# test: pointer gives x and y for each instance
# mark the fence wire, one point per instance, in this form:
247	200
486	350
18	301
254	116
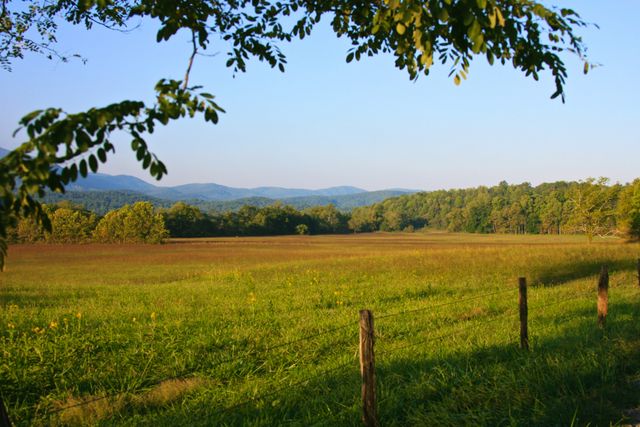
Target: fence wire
447	335
191	373
290	386
532	311
458	301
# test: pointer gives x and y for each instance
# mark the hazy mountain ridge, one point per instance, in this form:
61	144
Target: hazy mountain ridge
104	201
102	192
205	191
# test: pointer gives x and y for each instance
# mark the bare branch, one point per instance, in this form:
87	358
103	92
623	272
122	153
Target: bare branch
194	52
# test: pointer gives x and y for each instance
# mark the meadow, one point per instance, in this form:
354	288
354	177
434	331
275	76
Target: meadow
264	331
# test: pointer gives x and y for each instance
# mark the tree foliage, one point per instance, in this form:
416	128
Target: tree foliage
628	210
590	207
59	146
131	224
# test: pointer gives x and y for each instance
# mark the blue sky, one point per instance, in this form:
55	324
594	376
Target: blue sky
324	122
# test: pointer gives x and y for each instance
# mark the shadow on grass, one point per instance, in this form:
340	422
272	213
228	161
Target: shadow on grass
576	374
558	274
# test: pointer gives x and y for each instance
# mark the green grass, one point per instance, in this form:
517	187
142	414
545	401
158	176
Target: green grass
79	323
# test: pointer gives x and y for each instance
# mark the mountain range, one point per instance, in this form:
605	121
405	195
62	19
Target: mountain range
104	192
205	192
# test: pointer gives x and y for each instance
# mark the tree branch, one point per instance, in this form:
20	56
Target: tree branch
194	52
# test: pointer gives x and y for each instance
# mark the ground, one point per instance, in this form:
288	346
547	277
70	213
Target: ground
263	331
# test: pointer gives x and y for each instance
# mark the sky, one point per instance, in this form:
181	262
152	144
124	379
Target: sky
327	123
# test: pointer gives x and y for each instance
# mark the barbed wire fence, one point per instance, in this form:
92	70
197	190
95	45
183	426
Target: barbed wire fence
366	347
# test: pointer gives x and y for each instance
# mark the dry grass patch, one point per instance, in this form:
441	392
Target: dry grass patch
87	410
473	313
169	391
90	410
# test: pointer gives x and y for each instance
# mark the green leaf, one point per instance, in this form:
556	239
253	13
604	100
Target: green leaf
32	115
146	161
93	163
501	20
474	29
492	19
84	171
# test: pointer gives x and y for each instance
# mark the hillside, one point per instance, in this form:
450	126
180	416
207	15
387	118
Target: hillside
205	191
104	201
102	192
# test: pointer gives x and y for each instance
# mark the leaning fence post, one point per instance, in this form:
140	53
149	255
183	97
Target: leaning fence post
524	313
603	295
367	369
4	416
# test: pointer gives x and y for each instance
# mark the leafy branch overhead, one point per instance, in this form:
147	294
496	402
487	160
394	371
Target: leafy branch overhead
62	147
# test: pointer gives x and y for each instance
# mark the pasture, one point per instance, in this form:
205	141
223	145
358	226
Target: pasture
264	331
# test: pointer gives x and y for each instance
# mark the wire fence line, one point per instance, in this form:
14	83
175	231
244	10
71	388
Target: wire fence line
269	349
447	335
190	373
252	353
458	301
256	352
474	322
276	346
296	384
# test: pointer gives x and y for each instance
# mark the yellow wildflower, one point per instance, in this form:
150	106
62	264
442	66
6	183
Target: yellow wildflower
37	330
78	315
153	316
53	324
11	325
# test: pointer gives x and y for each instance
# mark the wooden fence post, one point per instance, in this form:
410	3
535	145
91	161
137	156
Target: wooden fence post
638	271
4	416
524	313
367	370
603	295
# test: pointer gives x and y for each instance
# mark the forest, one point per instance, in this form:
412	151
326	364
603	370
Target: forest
592	207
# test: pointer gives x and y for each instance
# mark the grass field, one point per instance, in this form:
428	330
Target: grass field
263	331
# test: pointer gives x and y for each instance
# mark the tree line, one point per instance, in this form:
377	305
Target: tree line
143	223
137	223
591	207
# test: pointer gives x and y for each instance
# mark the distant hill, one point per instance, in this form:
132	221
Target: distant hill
102	192
205	192
104	182
104	201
